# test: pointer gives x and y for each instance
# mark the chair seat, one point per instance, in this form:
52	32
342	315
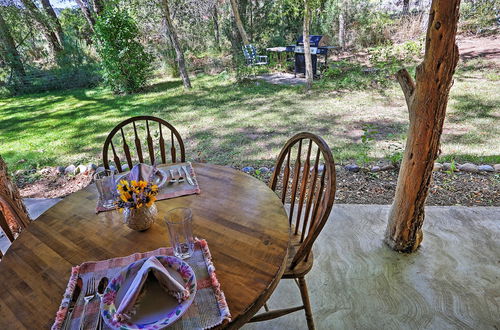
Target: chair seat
303	267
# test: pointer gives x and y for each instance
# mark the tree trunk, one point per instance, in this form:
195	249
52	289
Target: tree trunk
11	204
215	17
406	7
54	44
98	7
86	13
342	27
239	23
175	42
12	56
307	44
426	100
54	21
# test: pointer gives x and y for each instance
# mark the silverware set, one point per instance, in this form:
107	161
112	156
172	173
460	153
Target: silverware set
93	289
179	177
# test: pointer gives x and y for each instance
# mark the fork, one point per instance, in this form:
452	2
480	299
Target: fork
172	176
89	295
181	178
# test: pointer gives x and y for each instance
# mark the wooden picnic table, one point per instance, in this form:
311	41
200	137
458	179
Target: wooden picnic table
243	221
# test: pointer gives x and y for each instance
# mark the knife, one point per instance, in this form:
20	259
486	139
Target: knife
188	176
72	303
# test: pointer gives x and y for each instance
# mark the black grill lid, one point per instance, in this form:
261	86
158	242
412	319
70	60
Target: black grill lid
314	40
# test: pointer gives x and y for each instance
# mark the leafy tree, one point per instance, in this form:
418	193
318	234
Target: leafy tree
125	63
9	52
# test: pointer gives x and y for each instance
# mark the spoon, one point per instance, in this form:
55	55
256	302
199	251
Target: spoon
100	292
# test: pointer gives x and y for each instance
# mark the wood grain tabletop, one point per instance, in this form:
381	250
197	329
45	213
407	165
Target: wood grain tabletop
243	221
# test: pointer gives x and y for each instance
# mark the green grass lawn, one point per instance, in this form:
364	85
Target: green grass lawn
226	123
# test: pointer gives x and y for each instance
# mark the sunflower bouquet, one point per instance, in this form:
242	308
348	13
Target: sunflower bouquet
136	194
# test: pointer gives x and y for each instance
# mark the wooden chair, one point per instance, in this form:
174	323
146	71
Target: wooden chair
148	127
310	190
13	214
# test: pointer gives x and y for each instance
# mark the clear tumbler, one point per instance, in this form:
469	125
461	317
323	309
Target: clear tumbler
106	186
180	227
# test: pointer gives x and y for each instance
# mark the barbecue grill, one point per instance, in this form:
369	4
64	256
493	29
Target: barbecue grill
316	49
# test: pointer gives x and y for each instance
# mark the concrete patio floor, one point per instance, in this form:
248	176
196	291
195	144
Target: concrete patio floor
357	282
451	282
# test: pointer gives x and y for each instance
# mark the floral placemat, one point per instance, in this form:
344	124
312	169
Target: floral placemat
169	190
208	309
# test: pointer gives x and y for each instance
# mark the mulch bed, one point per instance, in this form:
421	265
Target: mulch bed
363	187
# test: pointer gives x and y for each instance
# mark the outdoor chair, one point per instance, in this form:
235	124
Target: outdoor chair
251	57
132	132
13	215
310	190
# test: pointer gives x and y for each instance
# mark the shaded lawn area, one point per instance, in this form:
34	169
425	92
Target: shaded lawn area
246	124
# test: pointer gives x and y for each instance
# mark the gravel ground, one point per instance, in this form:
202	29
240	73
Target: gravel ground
363	187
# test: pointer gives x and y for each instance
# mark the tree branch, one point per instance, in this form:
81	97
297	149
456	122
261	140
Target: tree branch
407	84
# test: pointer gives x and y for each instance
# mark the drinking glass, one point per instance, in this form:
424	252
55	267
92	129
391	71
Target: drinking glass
106	186
180	227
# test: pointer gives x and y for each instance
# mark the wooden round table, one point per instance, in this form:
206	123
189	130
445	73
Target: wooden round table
243	221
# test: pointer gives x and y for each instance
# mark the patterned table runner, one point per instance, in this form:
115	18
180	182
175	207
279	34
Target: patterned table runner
208	309
169	190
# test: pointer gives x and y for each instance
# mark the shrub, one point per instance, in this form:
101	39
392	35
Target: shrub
125	63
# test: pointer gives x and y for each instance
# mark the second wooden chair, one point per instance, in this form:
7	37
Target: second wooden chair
304	178
156	132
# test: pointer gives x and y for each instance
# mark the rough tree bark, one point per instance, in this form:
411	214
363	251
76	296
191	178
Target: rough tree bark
86	13
307	44
49	33
239	23
11	204
406	7
172	34
426	100
215	16
12	56
54	21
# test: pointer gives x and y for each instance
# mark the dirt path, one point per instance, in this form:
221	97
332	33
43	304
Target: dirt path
484	47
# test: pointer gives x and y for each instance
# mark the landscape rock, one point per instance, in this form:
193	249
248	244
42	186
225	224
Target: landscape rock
60	169
81	169
352	168
496	167
18	172
248	169
263	170
437	167
92	167
375	168
468	167
271	169
486	168
20	161
387	167
71	169
321	167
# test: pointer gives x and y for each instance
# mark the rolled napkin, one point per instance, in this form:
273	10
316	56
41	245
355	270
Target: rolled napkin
154	267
